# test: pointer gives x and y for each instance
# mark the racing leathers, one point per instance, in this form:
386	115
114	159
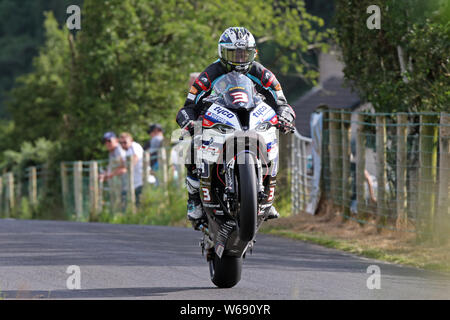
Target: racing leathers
265	83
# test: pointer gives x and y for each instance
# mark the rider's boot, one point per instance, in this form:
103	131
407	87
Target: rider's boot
194	205
272	213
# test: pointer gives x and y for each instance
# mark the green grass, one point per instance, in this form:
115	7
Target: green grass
356	248
159	206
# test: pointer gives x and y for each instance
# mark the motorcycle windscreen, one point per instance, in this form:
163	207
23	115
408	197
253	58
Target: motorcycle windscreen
237	91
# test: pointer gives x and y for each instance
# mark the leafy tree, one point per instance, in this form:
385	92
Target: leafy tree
405	65
38	102
21	34
30	154
130	65
134	57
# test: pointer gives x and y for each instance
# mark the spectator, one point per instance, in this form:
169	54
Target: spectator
156	142
135	152
116	165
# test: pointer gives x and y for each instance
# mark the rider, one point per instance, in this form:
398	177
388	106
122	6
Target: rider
237	52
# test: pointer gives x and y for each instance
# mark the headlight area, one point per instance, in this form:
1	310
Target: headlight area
263	126
223	128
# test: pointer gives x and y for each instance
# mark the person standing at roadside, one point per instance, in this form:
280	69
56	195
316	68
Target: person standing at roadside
135	153
116	163
116	168
156	142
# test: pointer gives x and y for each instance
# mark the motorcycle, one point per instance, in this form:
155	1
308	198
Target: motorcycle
236	156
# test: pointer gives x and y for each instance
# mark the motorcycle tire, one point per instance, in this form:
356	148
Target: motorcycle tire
225	271
248	199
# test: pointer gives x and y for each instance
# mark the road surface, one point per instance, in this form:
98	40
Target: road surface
153	262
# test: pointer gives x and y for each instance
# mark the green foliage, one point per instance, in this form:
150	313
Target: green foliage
40	98
419	29
30	154
158	207
6	136
21	34
130	65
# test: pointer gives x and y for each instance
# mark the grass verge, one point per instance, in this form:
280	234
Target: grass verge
329	230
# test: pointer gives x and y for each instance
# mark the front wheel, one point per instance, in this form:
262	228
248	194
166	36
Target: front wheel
248	201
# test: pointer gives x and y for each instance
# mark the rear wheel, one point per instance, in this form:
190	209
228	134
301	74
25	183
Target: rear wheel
225	271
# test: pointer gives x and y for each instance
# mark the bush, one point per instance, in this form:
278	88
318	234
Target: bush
159	206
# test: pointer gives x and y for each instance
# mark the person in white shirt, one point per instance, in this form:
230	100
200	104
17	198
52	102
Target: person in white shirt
134	151
116	171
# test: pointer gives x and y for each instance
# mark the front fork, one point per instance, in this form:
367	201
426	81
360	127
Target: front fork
230	203
230	195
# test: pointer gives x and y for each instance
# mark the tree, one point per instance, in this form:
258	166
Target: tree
21	34
405	65
134	57
39	100
130	64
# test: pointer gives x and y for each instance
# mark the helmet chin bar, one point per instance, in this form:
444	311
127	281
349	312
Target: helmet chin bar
238	68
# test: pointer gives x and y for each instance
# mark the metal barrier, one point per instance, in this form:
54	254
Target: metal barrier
300	179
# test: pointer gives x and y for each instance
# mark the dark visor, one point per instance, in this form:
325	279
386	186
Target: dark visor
238	55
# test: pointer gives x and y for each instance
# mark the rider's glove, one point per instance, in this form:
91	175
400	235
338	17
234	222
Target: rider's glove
286	119
188	128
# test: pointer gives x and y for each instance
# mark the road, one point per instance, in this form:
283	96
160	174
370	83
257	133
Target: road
155	262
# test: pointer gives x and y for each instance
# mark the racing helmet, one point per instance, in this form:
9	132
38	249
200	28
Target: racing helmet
237	49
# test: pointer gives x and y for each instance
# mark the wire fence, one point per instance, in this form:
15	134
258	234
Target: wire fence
22	188
390	170
82	191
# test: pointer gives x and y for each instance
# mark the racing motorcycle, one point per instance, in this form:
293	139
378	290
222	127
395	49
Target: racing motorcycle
236	156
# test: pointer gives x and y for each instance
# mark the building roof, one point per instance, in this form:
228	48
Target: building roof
332	93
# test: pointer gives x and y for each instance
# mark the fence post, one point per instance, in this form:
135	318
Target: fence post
325	174
360	167
1	196
78	188
10	186
131	194
145	170
93	188
32	186
162	161
18	189
381	169
442	221
402	120
64	185
427	174
304	177
164	165
294	180
346	152
335	156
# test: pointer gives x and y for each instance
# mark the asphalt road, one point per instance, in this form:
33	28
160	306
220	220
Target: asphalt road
151	262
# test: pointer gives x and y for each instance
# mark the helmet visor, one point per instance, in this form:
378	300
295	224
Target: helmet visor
238	56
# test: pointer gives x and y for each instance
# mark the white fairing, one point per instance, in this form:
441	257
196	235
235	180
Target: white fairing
216	116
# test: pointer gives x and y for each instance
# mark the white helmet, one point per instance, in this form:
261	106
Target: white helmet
237	49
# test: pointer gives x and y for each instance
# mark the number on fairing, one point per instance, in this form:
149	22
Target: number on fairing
271	194
239	97
206	195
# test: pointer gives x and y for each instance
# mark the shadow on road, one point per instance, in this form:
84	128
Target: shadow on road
106	293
